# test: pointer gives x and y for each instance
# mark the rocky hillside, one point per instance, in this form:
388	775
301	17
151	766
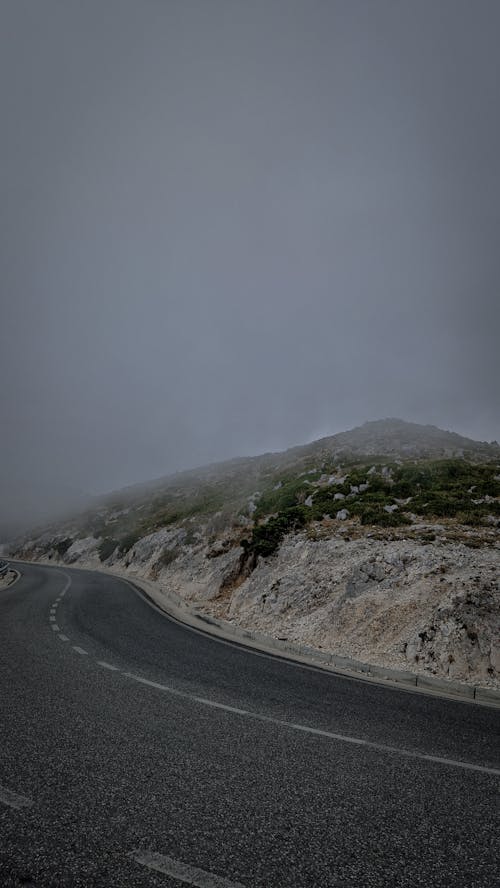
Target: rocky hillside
380	543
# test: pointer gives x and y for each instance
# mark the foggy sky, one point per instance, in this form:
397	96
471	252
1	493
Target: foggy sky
231	226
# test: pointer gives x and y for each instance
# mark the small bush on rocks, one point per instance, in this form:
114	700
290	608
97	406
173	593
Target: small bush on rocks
267	537
128	541
374	515
106	548
62	546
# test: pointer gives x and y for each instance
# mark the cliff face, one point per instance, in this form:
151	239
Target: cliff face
393	562
402	602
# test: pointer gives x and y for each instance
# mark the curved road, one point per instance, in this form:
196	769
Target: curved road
137	752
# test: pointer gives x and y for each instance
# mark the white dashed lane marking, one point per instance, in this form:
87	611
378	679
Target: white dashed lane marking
53	608
182	872
318	732
68	584
13	799
343	738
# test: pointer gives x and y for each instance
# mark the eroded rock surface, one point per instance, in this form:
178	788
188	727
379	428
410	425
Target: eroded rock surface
430	607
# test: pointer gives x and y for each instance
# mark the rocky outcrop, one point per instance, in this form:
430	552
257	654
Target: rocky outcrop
429	606
462	637
81	549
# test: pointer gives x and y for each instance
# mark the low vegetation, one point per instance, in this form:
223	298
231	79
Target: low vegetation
388	495
106	548
63	545
330	483
380	494
267	537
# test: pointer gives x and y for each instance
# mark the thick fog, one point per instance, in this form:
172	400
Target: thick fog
229	227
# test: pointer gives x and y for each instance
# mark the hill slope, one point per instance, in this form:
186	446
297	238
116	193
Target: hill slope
380	543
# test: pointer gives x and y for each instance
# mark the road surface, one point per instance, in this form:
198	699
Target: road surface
137	752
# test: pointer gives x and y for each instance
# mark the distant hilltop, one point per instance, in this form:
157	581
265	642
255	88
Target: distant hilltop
387	438
232	481
396	437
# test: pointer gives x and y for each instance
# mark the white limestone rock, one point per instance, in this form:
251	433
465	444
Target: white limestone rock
342	515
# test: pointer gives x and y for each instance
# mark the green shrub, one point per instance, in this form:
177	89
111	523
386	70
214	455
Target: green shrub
62	546
324	503
410	480
365	500
356	477
378	484
285	497
440	505
160	519
446	488
446	476
471	518
376	515
168	556
266	538
128	541
106	548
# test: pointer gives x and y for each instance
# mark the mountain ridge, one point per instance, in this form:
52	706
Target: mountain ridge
372	438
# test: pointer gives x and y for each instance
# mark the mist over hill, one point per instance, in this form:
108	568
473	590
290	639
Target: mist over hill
226	486
25	504
390	438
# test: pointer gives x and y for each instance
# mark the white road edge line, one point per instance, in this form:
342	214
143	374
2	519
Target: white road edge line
55	627
52	618
80	650
13	799
317	732
107	665
63	637
255	651
182	872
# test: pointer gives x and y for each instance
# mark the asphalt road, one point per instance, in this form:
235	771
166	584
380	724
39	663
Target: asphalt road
136	752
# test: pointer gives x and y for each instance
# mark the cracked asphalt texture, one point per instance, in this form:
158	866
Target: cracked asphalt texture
113	765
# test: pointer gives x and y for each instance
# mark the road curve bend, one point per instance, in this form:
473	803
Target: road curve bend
137	752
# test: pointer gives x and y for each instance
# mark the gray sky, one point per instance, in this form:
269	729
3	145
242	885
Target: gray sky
232	226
